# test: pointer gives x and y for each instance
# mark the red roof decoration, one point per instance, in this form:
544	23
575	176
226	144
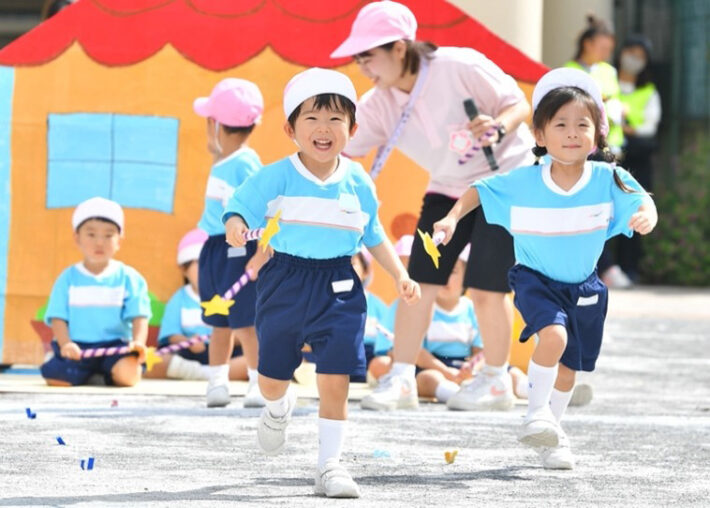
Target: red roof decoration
221	34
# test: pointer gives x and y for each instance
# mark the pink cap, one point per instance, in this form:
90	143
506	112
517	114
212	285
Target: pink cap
190	246
376	24
403	247
233	102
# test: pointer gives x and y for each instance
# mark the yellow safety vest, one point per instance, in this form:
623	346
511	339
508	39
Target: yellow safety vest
636	102
605	76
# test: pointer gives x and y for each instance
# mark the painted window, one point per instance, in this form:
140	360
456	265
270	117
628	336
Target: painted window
130	159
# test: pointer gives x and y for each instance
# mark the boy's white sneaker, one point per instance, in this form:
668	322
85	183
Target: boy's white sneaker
392	392
582	395
334	481
217	394
557	457
271	431
540	430
484	393
253	397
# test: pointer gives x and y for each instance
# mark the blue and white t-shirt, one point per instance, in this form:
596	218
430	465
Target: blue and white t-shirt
225	176
319	219
556	232
377	314
183	316
453	333
99	307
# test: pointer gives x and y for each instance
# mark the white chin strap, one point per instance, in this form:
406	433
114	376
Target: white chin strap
216	137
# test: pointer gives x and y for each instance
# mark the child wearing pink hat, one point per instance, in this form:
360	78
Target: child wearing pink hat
417	105
232	111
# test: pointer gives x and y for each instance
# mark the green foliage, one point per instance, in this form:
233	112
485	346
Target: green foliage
157	308
677	252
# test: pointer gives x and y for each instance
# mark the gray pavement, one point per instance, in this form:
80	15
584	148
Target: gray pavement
643	441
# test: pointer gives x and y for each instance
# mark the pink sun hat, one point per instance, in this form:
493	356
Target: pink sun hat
376	24
403	247
190	246
233	102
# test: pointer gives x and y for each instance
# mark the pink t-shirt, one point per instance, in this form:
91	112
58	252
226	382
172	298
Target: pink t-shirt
435	136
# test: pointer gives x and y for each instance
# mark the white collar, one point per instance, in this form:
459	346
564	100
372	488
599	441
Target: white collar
231	156
453	311
191	292
337	175
110	269
581	183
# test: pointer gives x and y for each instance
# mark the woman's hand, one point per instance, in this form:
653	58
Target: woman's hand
447	225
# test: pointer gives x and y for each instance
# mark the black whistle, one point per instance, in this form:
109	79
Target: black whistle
472	112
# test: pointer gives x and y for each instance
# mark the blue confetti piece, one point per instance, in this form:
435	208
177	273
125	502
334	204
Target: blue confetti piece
61	441
381	454
30	414
82	463
87	465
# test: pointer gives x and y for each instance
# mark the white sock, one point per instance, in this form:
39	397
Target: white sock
403	370
219	374
445	390
559	402
541	380
490	370
278	407
331	434
253	375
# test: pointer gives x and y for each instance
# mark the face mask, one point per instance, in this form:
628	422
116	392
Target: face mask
632	64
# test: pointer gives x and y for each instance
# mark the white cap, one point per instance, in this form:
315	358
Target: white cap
465	252
316	81
567	76
95	208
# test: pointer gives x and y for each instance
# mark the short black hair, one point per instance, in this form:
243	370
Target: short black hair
331	102
238	130
101	219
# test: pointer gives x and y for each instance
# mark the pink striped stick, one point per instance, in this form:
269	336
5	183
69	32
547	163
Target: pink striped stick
237	286
105	351
172	348
477	146
253	234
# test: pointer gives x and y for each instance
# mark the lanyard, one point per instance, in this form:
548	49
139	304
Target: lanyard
383	152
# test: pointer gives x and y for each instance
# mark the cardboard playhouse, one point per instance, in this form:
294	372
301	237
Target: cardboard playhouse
97	101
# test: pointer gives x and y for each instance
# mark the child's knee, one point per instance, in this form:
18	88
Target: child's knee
126	372
553	337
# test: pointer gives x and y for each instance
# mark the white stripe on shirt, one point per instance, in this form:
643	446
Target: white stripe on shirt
219	190
96	296
441	331
317	212
560	221
191	318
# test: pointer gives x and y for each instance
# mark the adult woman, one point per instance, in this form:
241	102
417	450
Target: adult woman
417	105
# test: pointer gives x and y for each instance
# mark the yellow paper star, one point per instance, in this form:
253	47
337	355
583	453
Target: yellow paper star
272	227
217	305
430	247
450	456
151	358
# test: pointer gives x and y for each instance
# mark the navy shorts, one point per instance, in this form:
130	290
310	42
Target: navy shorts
449	361
315	301
220	266
204	357
491	249
78	372
580	308
369	355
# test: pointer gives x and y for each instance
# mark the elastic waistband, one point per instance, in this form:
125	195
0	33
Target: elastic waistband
287	259
556	283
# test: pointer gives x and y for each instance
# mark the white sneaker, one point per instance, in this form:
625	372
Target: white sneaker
335	481
253	397
581	395
271	432
484	393
217	394
615	278
557	457
540	430
392	392
180	368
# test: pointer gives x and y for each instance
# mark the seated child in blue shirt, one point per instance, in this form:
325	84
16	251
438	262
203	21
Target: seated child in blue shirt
308	292
97	303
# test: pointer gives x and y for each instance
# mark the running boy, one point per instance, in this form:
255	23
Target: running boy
309	292
560	214
99	302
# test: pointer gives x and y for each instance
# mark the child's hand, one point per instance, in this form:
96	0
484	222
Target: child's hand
71	351
234	231
198	347
643	222
408	290
447	225
136	347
